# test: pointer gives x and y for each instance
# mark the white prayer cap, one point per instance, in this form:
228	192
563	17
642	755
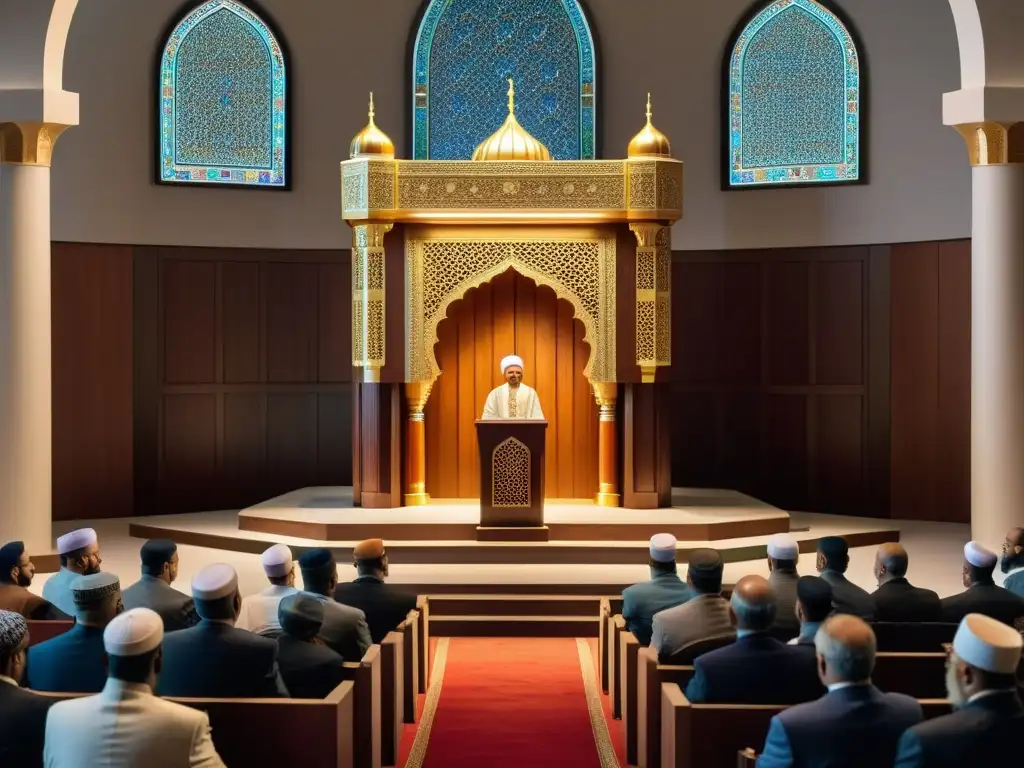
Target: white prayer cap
79	539
277	561
782	546
133	633
988	644
979	556
663	547
511	360
215	582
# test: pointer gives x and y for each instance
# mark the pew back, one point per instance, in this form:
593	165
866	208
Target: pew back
366	729
410	666
924	636
41	631
423	644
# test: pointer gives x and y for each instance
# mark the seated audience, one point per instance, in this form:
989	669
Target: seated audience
665	589
1012	561
783	552
988	723
344	628
704	616
73	662
896	599
385	605
79	556
259	612
847	597
214	659
22	714
814	602
126	726
16	573
983	595
154	591
309	668
854	725
757	668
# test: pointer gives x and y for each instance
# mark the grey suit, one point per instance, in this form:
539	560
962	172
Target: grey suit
703	617
784	585
175	608
344	629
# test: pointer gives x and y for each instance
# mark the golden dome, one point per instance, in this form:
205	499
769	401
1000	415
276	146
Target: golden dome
650	142
372	141
511	141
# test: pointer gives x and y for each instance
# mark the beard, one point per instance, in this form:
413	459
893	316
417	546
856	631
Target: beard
91	570
953	691
1008	562
23	580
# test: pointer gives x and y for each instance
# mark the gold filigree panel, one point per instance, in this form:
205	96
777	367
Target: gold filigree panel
368	297
510	474
653	298
444	263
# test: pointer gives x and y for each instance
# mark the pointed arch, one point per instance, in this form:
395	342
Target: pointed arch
222	85
794	97
464	50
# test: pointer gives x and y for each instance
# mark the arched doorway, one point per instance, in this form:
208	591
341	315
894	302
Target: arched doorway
510	314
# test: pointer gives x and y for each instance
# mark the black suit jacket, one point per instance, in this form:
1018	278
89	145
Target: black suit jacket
847	597
212	660
898	600
385	606
69	663
22	726
988	599
985	732
310	671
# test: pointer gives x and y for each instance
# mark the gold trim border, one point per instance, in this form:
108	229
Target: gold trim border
598	724
418	752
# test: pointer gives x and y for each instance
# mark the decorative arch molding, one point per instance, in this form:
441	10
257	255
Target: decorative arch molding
233	129
793	87
546	45
442	266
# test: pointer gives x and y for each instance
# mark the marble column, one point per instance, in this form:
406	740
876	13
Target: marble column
25	355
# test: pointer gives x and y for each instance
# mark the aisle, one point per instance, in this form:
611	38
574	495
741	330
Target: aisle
513	702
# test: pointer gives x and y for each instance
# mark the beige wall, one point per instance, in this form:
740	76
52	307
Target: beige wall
103	192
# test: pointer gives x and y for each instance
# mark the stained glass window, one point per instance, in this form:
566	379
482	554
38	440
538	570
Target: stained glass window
223	100
794	98
465	52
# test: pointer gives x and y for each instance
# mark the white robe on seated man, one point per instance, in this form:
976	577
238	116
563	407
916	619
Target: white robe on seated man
504	400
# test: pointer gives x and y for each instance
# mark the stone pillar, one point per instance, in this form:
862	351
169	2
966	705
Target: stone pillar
25	367
997	331
416	395
606	394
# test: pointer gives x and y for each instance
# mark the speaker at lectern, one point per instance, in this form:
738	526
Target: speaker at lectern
511	479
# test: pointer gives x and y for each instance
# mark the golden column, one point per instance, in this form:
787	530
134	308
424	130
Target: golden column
606	394
416	394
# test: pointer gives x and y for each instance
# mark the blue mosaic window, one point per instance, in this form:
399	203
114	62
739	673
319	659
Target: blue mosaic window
794	98
465	52
223	100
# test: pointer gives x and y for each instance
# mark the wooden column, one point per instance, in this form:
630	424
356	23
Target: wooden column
416	395
647	468
377	450
606	394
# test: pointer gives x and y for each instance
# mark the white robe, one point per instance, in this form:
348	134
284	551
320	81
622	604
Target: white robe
527	404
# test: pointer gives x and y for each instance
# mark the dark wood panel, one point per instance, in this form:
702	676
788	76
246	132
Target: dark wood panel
788	323
334	438
839	322
839	469
292	322
190	322
189	429
739	323
786	470
954	379
695	303
335	328
694	440
739	420
292	440
245	439
240	322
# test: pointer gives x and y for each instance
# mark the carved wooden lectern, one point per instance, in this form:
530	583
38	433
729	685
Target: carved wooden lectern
511	480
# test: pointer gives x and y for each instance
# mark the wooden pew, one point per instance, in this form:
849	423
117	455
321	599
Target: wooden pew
366	731
423	641
712	735
921	675
604	612
40	631
616	628
410	665
392	655
910	637
629	651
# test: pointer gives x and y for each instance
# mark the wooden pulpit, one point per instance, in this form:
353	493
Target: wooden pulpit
511	480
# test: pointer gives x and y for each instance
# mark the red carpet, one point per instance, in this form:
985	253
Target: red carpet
512	702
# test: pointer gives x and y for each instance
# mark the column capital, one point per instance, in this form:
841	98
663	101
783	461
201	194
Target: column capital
993	143
29	142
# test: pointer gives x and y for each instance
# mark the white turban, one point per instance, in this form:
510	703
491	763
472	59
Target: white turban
510	360
782	546
988	644
75	540
979	556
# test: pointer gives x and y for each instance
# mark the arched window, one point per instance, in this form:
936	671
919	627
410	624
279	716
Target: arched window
223	100
464	54
793	98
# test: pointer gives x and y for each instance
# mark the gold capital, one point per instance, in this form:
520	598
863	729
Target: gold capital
29	143
991	143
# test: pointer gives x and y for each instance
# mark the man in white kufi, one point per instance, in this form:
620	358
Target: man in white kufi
783	553
259	612
126	726
982	595
513	399
79	556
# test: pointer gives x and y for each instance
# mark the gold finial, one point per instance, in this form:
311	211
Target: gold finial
511	141
511	97
650	142
372	112
372	140
648	106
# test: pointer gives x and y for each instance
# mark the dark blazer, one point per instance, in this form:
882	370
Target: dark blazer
988	599
641	601
309	670
784	585
898	600
176	609
69	663
856	727
985	732
847	597
756	669
213	660
385	605
22	726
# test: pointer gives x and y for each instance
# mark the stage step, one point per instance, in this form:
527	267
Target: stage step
513	626
505	605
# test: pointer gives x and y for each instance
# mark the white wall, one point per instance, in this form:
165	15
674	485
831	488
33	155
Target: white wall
103	192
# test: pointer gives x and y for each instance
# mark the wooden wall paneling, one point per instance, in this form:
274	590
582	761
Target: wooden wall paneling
244	452
335	322
877	363
839	465
788	323
484	367
784	460
188	447
839	313
292	439
954	382
564	404
240	326
739	442
334	441
189	294
146	382
446	397
584	421
737	321
694	447
646	480
695	299
292	322
464	427
545	360
381	433
92	351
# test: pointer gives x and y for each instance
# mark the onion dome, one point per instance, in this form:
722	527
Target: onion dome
511	141
372	141
650	142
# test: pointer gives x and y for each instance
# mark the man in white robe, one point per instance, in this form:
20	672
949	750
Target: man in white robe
513	399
